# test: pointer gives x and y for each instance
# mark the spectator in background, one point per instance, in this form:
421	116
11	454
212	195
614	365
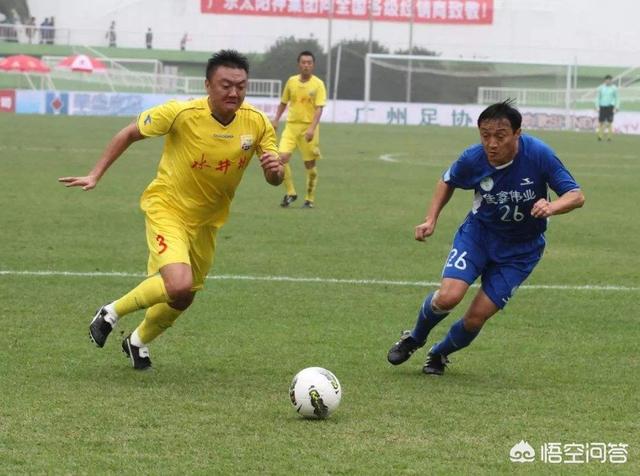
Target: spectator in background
148	39
607	102
6	28
30	29
44	29
8	32
183	42
52	31
111	35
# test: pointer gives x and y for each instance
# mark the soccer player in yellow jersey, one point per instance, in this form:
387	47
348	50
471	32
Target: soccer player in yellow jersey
306	96
209	143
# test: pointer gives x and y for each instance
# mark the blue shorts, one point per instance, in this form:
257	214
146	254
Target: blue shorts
503	265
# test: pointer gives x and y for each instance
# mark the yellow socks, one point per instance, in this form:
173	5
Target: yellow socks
312	181
149	292
288	180
157	319
151	295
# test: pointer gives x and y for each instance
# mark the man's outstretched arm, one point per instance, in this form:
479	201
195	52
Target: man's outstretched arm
117	145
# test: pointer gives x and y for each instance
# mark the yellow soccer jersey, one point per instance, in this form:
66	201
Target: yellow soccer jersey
303	98
203	161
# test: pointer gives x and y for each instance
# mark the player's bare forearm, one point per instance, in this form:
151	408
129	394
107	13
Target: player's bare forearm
118	144
116	147
441	196
279	112
314	123
563	204
316	117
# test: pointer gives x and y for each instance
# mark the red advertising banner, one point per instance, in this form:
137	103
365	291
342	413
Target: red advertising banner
458	12
7	100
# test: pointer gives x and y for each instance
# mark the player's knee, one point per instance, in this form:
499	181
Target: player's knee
445	300
183	302
179	289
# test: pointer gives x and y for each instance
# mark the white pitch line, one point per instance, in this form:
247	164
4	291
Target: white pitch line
390	157
291	279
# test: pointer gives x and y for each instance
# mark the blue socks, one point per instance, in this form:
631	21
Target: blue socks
457	338
427	320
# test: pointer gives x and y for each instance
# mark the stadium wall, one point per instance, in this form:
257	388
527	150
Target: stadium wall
584	31
84	103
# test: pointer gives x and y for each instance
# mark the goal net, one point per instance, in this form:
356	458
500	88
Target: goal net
434	79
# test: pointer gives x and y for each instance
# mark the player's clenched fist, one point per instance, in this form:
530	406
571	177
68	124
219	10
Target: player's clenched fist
273	168
542	209
424	230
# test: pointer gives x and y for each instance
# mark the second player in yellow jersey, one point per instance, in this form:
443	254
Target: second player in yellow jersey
305	95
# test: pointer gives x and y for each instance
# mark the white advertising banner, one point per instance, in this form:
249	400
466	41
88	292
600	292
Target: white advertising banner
353	112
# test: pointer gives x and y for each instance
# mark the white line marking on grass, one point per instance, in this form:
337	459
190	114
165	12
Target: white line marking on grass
390	157
395	157
291	279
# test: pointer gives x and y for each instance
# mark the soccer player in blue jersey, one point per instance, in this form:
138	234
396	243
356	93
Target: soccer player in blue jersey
502	238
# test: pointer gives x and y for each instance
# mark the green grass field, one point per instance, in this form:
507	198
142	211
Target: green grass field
558	365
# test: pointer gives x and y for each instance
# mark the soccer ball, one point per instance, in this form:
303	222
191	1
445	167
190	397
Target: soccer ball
315	393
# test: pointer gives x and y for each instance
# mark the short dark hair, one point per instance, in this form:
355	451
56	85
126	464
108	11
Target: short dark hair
228	58
502	110
608	76
306	53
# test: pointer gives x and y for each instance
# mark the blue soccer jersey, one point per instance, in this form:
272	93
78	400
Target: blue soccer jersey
504	195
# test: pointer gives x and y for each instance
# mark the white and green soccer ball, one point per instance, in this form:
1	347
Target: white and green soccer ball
315	393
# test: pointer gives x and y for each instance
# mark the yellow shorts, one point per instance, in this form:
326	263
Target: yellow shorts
169	241
293	136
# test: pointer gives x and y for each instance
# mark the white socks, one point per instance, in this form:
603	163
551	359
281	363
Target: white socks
135	339
112	316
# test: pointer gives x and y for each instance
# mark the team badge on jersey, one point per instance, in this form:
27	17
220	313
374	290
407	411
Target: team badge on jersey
486	184
246	142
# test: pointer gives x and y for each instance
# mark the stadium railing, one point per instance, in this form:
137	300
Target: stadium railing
140	75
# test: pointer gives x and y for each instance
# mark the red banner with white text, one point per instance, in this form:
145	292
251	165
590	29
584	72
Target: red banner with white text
7	100
457	12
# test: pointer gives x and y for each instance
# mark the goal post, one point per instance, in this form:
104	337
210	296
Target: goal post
448	80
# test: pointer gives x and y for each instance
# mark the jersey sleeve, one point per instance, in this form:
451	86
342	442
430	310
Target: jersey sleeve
158	120
559	178
267	142
459	174
321	95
